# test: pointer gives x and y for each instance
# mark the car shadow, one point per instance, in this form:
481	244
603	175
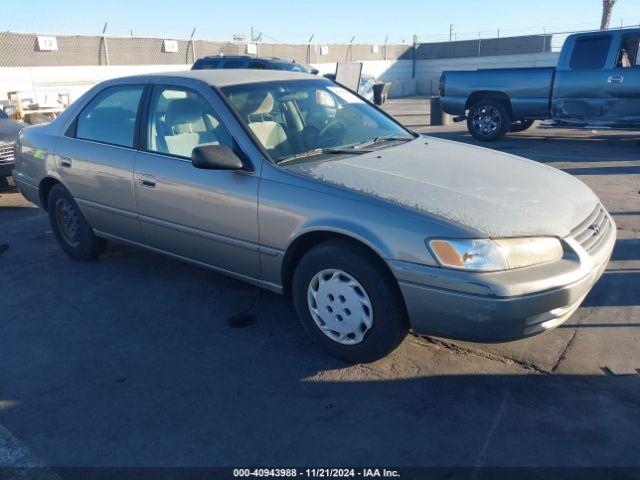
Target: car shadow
626	249
558	147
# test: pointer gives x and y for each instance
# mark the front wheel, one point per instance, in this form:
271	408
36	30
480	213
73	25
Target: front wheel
488	120
348	303
71	229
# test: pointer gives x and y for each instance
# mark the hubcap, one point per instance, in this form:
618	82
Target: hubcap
340	306
487	120
68	222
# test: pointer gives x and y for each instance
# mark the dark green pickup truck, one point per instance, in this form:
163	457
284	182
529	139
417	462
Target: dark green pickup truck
596	84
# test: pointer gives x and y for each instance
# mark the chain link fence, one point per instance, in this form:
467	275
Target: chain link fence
23	50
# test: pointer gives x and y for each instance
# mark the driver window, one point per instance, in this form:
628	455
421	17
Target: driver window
181	120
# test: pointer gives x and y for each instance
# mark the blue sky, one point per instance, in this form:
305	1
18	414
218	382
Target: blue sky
295	21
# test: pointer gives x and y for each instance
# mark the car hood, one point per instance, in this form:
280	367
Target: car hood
9	129
493	193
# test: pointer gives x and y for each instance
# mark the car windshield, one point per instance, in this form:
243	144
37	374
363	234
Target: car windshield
298	118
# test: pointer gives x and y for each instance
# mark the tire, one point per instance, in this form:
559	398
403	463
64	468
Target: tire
71	229
341	262
488	120
520	126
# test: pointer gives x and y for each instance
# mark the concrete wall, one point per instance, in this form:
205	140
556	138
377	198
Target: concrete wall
485	47
75	80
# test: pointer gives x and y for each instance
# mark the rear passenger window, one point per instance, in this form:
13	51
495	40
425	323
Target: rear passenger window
111	116
257	65
233	64
207	64
590	53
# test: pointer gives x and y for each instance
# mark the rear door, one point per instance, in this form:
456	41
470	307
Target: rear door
95	160
203	215
580	86
622	101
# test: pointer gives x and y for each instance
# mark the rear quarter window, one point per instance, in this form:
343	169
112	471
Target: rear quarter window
590	53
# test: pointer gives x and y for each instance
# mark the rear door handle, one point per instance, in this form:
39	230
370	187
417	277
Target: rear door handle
147	181
64	162
615	79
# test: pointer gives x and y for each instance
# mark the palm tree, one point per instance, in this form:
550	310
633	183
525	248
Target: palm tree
607	8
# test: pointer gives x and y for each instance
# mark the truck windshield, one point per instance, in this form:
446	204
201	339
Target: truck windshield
291	118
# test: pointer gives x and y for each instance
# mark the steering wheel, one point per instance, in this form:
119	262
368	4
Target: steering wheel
330	131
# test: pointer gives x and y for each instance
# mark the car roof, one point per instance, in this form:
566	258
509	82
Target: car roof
247	57
225	78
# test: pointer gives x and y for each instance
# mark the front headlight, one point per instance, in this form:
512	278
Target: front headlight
493	255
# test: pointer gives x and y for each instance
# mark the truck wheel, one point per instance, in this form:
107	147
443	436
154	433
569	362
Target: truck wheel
348	303
520	126
488	120
72	231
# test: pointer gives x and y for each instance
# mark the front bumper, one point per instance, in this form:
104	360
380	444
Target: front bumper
500	306
5	169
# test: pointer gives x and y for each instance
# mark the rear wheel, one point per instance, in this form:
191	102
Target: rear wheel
488	120
348	303
71	229
520	126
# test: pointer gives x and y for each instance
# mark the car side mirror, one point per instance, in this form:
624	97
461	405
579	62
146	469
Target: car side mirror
216	157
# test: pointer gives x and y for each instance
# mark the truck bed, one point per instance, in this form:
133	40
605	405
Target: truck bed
529	89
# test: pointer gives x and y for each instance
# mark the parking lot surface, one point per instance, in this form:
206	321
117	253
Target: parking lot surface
139	360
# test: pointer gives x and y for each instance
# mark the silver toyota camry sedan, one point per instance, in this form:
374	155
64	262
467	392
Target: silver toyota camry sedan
295	184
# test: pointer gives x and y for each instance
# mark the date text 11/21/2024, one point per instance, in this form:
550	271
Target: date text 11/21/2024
316	473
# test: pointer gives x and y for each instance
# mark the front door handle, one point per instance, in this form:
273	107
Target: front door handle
147	181
615	79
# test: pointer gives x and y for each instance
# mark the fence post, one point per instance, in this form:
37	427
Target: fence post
415	51
103	41
309	47
193	48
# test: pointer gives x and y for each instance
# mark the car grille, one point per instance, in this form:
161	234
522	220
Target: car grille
6	153
592	233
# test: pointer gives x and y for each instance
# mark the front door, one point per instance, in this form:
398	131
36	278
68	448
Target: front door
622	88
207	216
579	86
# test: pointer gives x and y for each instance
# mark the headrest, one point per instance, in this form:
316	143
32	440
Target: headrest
184	110
256	102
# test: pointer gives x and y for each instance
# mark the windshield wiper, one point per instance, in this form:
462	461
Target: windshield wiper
323	151
387	138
